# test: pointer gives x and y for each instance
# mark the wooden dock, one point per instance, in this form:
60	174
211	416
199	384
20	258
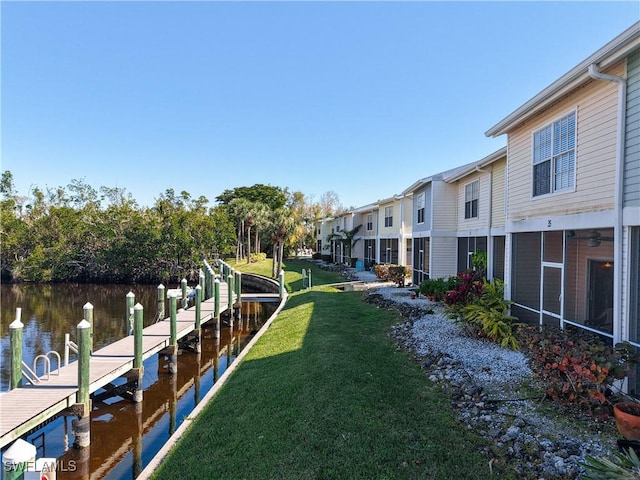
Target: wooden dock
26	408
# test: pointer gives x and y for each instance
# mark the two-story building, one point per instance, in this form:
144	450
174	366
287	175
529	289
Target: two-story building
573	196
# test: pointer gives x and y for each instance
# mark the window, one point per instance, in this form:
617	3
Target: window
388	216
420	207
554	156
369	222
389	250
471	196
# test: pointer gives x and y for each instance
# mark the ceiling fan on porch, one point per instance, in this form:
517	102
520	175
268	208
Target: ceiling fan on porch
594	238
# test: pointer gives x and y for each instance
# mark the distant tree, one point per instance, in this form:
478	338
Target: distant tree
329	204
272	197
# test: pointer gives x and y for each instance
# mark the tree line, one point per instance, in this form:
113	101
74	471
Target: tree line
79	233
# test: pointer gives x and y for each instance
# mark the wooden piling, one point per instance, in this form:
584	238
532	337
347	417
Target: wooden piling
281	283
84	360
138	321
202	281
131	301
230	293
216	308
173	335
138	365
160	314
88	316
183	287
197	326
238	286
15	329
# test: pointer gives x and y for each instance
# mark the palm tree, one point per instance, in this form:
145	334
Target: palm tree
281	223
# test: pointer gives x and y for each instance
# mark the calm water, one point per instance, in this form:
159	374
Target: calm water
124	436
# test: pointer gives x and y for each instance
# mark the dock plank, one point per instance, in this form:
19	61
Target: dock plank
25	408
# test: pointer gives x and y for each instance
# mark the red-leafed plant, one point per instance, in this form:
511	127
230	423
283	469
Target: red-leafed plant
467	291
576	370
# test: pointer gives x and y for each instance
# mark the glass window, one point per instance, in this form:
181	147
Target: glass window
471	196
554	156
388	216
420	208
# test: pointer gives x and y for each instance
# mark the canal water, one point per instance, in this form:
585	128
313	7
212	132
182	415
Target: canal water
124	436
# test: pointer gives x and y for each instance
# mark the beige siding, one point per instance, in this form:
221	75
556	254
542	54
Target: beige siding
482	221
443	255
407	218
445	204
498	186
596	107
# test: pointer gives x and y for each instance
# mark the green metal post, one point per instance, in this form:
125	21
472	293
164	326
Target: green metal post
138	320
216	308
160	303
84	360
88	316
15	329
131	301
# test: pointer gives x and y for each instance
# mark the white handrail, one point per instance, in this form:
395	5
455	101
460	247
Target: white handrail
47	365
29	374
68	344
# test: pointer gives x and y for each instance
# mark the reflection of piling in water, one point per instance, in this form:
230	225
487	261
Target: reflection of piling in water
240	319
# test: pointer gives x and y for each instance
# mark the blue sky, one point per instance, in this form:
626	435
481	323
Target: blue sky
359	98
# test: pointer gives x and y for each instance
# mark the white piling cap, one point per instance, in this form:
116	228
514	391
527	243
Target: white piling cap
20	452
131	294
161	286
84	324
138	307
88	306
16	324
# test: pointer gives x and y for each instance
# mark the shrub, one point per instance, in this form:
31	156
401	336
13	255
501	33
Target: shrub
436	288
579	369
468	289
316	256
398	273
382	271
258	257
488	315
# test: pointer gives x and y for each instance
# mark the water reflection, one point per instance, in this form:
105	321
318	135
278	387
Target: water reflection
124	435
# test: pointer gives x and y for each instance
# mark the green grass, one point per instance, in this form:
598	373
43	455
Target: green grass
292	272
324	394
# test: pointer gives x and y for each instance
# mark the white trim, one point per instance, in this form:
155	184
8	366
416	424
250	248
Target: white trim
577	221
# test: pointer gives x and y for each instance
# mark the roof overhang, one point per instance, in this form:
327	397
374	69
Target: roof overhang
473	167
612	53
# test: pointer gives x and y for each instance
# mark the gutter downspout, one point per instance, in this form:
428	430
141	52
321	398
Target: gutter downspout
489	235
619	190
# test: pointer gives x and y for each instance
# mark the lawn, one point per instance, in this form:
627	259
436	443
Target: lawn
293	272
324	394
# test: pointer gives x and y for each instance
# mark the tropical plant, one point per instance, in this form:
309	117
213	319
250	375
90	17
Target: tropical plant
467	290
622	466
436	288
488	315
